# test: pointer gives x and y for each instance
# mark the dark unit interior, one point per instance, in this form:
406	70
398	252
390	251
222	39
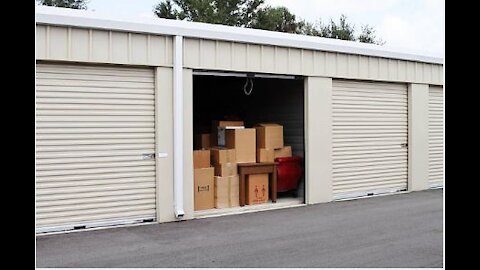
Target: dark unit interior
271	100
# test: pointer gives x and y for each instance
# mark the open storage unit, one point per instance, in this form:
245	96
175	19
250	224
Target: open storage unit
254	98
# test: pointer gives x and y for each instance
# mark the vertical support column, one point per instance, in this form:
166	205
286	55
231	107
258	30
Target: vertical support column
417	137
318	141
164	143
188	143
178	125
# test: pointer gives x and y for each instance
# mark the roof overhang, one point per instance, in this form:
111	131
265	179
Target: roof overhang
88	19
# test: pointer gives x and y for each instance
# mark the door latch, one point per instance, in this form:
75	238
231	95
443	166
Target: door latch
148	156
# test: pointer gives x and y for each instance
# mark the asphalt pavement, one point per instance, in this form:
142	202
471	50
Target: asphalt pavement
404	230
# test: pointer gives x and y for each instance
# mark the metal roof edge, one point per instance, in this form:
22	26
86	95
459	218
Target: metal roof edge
88	19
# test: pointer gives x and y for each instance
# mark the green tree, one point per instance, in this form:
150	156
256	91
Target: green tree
254	14
368	36
228	12
343	30
165	10
75	4
278	19
308	28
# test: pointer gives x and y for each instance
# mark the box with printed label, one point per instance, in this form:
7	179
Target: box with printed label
204	194
227	191
257	189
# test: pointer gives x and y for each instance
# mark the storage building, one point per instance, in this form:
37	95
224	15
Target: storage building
118	101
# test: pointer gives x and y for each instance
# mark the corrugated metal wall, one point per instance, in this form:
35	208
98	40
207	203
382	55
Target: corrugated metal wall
370	133
435	137
234	56
100	46
285	106
93	125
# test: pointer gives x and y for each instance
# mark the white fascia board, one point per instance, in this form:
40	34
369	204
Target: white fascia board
89	19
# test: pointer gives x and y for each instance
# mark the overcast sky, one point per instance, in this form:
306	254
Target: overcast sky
414	25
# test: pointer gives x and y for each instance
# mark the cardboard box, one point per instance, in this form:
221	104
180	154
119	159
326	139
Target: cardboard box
257	189
204	194
221	134
201	159
221	123
227	191
265	155
269	135
226	169
283	152
221	155
243	141
201	141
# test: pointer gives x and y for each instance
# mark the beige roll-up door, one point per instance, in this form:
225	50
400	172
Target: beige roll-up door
435	137
94	125
370	129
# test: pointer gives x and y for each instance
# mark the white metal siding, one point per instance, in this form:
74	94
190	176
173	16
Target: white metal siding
93	124
236	56
435	137
61	43
101	46
370	129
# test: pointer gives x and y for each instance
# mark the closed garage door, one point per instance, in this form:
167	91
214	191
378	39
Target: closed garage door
370	133
435	137
93	126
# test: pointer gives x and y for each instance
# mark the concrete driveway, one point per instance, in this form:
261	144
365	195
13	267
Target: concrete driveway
404	230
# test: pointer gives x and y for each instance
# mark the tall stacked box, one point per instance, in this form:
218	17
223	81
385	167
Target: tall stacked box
204	195
243	141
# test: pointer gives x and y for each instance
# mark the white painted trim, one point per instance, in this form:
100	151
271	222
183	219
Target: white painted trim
178	126
418	136
379	193
365	194
242	74
280	204
318	139
92	225
89	19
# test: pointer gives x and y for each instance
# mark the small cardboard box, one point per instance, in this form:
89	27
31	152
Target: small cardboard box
226	169
201	159
257	189
283	152
269	135
221	155
227	191
265	155
243	141
221	123
202	141
204	195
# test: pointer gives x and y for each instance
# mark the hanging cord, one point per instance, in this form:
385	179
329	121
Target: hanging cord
245	86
